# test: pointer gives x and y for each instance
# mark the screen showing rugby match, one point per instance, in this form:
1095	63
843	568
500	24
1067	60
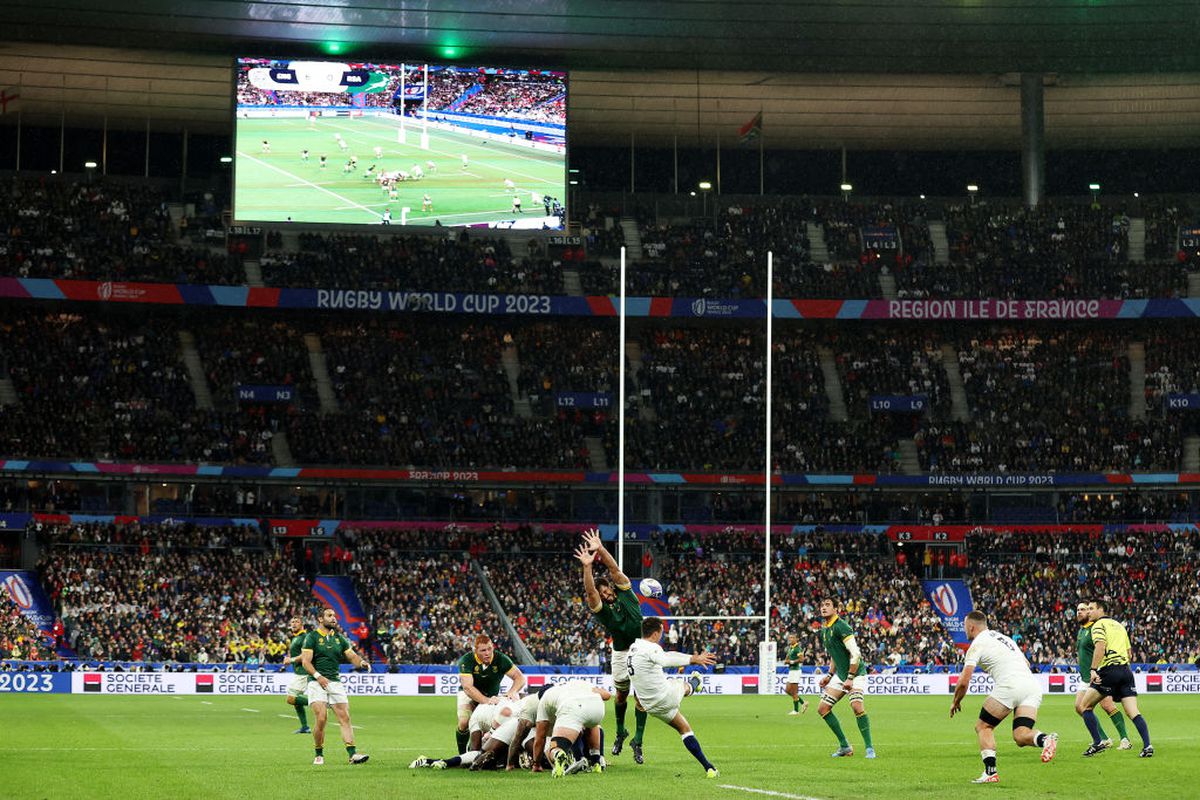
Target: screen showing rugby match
399	144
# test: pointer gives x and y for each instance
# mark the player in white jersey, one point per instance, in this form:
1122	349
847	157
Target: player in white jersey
480	753
378	152
660	697
566	710
1016	691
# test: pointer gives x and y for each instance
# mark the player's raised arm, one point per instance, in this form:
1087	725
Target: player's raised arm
518	682
591	595
591	540
672	660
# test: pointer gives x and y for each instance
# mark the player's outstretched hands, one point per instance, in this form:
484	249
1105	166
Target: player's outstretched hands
585	556
705	659
955	707
591	539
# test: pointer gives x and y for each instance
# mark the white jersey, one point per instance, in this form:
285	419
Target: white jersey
548	707
1000	657
527	709
646	663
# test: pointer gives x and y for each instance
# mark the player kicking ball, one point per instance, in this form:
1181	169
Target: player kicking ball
660	697
1016	691
324	650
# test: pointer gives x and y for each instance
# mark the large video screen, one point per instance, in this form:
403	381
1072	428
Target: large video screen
399	144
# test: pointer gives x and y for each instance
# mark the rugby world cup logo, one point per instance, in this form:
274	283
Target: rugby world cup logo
19	592
698	307
105	290
944	600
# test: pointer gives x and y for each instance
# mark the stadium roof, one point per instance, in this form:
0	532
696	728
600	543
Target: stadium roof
871	74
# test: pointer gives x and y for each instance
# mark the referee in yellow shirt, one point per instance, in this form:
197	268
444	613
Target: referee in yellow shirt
1111	675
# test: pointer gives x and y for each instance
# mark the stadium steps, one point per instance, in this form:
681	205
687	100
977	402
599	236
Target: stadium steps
281	451
887	284
633	358
1137	240
571	283
520	652
253	274
633	240
833	385
196	374
960	410
8	392
910	459
818	251
597	461
320	371
1137	380
1193	284
1191	454
512	370
941	244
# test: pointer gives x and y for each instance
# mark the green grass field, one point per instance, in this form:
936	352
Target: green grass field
271	187
243	747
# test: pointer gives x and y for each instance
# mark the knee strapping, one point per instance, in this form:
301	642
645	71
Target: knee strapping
1022	722
988	719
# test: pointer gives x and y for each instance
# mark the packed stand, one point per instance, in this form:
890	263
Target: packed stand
20	639
100	230
1030	583
172	593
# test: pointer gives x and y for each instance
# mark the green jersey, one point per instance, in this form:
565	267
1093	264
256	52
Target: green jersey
1086	649
294	651
622	618
834	636
487	676
792	657
329	651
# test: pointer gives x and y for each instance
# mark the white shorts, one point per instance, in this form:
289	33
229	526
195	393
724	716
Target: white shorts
529	738
581	712
481	718
506	732
1025	692
793	676
667	706
334	694
620	670
298	685
465	704
835	685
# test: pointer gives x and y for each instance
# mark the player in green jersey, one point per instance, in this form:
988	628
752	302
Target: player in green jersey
792	658
296	697
324	650
618	609
479	674
1087	649
847	676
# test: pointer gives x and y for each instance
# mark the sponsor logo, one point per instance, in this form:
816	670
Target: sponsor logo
1154	683
104	290
944	600
1058	684
426	684
536	681
91	682
17	590
698	308
204	684
749	684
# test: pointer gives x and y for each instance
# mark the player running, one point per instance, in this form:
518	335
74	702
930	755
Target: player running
341	143
660	697
324	161
617	608
516	209
324	649
792	658
266	147
304	156
509	185
845	664
427	203
479	673
296	689
564	712
378	153
386	217
1111	675
1016	691
465	162
1086	650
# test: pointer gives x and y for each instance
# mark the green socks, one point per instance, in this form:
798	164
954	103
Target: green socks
639	717
463	738
864	727
350	749
1118	722
301	702
795	705
836	727
619	709
320	751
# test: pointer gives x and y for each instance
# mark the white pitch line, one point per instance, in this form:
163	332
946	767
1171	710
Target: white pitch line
308	183
205	703
252	710
286	716
767	792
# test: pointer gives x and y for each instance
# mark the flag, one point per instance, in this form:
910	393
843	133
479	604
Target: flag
751	130
426	684
8	99
91	682
204	684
